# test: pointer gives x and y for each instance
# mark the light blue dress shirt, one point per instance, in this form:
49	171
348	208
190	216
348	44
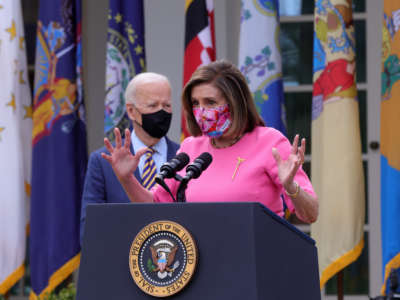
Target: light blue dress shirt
159	156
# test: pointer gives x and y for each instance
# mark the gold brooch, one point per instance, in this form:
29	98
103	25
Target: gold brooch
239	161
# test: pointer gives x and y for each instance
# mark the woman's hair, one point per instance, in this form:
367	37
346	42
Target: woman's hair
232	84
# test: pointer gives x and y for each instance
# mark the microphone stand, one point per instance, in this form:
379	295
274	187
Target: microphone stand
192	171
181	193
190	174
179	196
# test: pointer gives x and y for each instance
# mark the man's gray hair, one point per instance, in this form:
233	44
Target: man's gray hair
145	77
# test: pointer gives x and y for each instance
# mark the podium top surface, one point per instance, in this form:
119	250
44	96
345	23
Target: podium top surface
206	205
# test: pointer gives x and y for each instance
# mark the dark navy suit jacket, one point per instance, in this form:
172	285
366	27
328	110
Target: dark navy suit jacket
101	184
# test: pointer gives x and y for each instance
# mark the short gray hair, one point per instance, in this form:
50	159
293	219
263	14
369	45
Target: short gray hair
145	77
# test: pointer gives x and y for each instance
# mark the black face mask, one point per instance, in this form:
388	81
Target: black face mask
156	124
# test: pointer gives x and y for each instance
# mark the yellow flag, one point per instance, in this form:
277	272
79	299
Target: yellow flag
336	170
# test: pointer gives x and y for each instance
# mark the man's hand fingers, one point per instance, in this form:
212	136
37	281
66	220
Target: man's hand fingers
140	152
106	157
108	145
118	139
127	139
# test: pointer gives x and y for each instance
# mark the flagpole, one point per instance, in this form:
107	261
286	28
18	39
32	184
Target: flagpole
340	285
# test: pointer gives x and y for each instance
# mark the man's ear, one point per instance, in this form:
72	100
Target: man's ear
132	112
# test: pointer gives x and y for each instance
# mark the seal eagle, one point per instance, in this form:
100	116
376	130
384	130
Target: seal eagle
163	257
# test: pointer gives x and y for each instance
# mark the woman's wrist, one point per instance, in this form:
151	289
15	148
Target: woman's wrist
293	190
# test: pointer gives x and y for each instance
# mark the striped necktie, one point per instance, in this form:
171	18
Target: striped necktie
149	170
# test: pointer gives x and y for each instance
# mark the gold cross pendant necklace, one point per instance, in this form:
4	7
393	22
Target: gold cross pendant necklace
239	161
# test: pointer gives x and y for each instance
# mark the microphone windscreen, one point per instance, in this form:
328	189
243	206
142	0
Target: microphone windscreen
207	158
183	160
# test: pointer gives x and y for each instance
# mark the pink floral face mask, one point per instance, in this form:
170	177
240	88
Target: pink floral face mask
213	122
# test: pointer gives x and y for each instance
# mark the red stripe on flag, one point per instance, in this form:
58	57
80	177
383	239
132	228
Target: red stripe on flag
194	52
192	58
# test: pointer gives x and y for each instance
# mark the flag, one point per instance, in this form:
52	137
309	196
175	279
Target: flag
336	161
260	59
199	41
15	145
125	58
59	154
390	143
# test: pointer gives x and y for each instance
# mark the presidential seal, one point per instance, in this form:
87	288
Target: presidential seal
162	258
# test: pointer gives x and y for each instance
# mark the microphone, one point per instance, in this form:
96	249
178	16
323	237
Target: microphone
194	169
169	169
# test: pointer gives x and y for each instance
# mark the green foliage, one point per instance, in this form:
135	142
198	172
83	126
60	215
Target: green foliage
248	60
266	51
247	14
258	99
67	293
271	66
150	265
114	54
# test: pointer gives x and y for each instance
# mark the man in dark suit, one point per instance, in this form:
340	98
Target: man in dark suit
149	106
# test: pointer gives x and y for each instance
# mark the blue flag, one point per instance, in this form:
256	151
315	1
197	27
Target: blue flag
260	59
125	58
59	146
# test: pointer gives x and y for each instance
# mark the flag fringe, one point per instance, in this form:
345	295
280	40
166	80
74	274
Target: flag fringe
58	276
394	263
342	262
9	282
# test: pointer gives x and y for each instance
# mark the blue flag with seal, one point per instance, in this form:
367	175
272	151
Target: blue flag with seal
125	58
59	154
260	59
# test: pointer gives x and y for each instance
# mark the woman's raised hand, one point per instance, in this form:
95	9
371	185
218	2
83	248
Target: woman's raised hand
287	169
123	162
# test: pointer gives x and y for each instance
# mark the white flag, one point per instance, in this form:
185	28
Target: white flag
15	144
260	59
